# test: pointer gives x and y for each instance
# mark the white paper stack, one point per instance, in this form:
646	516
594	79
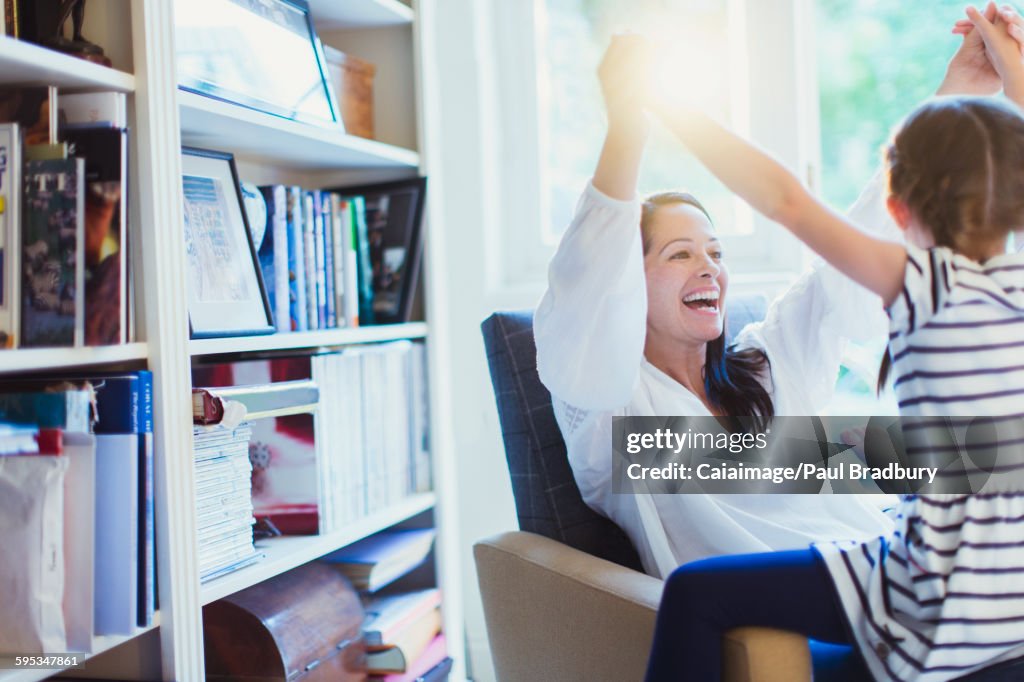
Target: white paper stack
224	516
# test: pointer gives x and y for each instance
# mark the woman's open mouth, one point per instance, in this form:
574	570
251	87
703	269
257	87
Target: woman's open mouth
705	301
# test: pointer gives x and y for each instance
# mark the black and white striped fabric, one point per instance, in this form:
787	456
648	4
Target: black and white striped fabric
944	595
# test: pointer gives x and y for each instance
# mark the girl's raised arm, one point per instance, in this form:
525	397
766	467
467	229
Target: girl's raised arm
772	190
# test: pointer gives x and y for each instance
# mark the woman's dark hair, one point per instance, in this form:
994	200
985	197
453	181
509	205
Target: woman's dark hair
958	164
732	378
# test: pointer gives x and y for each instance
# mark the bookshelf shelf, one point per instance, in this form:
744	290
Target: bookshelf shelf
257	136
334	15
288	552
34	359
24	63
317	339
100	645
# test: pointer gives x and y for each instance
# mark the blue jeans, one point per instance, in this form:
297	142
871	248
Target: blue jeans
785	590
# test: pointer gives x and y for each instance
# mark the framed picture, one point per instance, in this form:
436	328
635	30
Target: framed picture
394	213
262	54
226	296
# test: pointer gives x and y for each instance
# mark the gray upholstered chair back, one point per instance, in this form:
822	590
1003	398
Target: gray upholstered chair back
547	499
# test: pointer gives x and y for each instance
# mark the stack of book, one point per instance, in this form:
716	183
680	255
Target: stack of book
63	219
224	513
402	629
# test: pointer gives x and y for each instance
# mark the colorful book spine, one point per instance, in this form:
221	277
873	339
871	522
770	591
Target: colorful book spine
296	262
273	255
105	151
338	234
70	411
364	270
309	241
10	232
53	251
320	249
124	406
327	218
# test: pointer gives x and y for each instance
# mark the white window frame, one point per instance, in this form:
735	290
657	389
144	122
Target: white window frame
774	102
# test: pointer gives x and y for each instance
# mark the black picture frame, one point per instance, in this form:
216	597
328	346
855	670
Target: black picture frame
225	289
394	222
228	68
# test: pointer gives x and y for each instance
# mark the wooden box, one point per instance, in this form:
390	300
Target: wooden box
302	626
352	79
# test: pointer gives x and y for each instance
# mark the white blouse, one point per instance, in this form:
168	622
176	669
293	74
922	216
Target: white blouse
590	329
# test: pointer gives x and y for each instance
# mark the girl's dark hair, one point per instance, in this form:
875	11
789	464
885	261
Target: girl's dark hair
958	164
732	378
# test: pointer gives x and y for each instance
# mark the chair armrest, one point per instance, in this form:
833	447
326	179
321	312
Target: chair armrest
556	613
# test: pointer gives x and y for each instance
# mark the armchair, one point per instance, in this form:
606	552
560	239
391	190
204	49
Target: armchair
565	597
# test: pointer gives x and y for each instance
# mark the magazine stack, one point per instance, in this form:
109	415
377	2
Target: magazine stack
224	517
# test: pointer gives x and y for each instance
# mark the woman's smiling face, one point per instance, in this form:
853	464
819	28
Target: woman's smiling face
686	278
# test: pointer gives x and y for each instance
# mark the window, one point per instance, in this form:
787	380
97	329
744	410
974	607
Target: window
877	60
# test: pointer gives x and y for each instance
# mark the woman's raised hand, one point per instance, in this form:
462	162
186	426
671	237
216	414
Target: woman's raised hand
1004	45
625	81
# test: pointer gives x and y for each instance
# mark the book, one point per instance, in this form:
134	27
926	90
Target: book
273	255
68	410
309	243
10	234
380	559
30	107
296	262
328	229
351	268
319	249
105	151
275	399
11	18
364	269
124	406
398	654
388	615
18	439
117	533
432	666
82	543
339	212
53	253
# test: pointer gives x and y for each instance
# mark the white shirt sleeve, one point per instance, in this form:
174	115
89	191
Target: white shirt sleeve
591	323
805	329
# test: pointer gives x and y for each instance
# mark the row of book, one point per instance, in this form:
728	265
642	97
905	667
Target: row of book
76	471
64	277
359	447
326	257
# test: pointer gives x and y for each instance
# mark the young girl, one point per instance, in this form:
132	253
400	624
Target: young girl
944	594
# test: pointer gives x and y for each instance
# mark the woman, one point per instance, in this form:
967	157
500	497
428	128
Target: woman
632	325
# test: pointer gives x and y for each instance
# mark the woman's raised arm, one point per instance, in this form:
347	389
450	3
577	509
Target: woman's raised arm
591	324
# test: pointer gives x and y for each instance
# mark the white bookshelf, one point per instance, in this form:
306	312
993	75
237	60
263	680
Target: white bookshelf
40	359
23	63
325	338
354	14
290	551
270	139
141	41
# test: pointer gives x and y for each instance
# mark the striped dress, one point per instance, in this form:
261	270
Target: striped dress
944	594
